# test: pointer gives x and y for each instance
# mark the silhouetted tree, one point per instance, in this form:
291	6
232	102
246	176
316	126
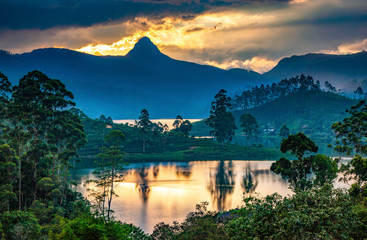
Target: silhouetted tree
145	124
249	124
284	132
221	119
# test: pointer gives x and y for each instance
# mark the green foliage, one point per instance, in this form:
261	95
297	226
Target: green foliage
20	225
182	126
298	144
351	132
249	124
324	213
355	169
89	228
298	172
311	112
201	224
109	171
325	169
221	119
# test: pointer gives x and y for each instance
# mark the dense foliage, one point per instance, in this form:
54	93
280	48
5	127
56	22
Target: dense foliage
320	213
41	133
299	171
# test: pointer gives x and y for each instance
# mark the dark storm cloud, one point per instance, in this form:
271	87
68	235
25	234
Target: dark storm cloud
41	14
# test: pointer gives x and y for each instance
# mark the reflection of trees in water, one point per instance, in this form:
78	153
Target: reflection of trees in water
222	184
249	181
155	171
142	182
184	171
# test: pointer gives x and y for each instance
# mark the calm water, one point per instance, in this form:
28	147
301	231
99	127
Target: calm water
167	192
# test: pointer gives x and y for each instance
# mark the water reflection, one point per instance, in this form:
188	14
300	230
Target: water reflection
183	171
221	184
142	182
156	192
249	180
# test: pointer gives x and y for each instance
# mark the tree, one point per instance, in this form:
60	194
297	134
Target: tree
351	134
298	172
177	123
109	172
221	119
298	144
284	132
249	124
41	125
182	126
144	123
186	128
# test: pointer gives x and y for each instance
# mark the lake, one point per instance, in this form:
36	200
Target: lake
167	192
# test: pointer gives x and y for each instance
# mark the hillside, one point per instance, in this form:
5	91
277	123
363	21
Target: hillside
311	112
346	72
121	86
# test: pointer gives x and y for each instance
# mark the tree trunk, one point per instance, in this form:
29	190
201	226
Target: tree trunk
111	192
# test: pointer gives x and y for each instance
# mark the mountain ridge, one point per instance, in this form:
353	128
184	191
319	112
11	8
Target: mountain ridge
120	86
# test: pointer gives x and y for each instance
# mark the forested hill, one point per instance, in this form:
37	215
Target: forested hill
311	112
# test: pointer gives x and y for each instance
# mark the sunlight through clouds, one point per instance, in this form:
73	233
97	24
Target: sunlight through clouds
257	64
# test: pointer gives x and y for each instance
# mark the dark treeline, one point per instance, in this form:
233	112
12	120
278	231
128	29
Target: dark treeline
258	96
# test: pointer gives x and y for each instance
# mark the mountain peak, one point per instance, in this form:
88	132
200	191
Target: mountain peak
144	48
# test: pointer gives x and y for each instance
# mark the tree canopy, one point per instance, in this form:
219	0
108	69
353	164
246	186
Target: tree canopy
221	119
249	124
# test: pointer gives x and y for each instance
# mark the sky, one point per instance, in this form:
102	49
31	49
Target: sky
249	34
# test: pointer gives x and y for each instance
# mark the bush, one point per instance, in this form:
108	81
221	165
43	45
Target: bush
20	225
89	228
324	213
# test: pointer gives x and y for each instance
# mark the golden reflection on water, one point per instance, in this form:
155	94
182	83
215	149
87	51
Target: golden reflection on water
167	192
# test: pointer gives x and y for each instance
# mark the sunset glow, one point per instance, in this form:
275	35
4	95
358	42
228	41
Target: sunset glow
236	34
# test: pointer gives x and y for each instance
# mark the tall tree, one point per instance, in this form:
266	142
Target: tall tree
284	132
177	123
40	126
145	124
109	172
298	172
221	119
249	124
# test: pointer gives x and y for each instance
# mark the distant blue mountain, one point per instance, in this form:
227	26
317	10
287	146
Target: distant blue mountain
346	72
121	86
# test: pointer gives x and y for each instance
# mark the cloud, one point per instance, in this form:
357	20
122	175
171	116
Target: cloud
257	64
349	48
40	14
251	34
